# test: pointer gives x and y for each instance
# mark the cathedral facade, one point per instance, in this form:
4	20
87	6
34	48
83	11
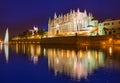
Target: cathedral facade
72	23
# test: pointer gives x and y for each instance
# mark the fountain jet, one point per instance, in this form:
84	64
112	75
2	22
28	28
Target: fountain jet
6	40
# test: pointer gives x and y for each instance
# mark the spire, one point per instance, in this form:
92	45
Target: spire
55	16
49	20
73	11
85	12
70	10
61	15
89	14
78	10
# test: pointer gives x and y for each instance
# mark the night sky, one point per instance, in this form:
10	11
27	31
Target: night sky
20	15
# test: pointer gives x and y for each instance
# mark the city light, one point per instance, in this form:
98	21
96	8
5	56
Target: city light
76	67
110	50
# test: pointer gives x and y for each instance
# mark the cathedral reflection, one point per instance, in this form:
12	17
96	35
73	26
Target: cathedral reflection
76	64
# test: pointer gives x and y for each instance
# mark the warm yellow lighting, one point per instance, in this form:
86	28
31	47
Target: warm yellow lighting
73	55
110	50
89	55
38	50
38	42
17	48
32	50
96	55
80	54
44	51
72	23
74	66
110	40
57	60
68	53
24	48
37	36
1	46
103	43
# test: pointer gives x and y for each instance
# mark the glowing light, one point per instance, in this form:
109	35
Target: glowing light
68	54
38	50
32	50
35	59
23	48
57	60
110	40
44	51
110	50
96	56
80	54
1	46
74	67
16	48
103	43
89	55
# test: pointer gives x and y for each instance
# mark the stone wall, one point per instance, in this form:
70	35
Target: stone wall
79	40
75	40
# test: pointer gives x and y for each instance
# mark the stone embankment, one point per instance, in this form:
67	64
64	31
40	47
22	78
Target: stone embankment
74	40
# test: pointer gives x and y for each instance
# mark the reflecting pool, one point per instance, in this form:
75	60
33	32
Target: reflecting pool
32	63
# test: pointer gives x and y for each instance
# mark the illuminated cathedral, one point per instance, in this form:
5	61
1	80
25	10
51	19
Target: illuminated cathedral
72	23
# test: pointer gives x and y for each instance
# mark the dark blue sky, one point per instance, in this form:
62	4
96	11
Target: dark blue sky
20	15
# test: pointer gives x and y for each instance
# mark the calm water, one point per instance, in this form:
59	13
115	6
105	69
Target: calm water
29	63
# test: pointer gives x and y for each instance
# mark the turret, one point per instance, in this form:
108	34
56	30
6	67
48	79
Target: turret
73	11
49	20
89	14
78	10
59	16
85	12
55	16
70	11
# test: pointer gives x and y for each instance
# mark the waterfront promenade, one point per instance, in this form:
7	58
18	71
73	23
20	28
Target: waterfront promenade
74	40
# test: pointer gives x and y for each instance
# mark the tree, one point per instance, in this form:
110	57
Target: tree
41	32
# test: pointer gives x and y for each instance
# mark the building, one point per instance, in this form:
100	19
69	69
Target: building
73	23
109	27
34	30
